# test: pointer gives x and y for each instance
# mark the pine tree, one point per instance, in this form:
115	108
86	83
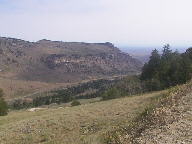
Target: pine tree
150	70
166	52
188	53
3	105
169	69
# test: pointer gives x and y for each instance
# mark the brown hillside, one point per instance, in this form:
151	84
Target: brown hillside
55	61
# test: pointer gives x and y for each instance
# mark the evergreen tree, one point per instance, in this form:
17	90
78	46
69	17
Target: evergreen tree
166	52
150	70
187	64
188	53
3	105
169	69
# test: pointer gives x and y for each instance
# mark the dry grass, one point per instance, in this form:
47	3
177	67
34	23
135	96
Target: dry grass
71	125
19	88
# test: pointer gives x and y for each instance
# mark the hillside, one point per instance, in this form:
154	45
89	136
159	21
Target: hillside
88	123
171	123
166	120
158	117
56	61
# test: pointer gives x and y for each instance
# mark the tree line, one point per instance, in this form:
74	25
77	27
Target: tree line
162	71
167	69
65	95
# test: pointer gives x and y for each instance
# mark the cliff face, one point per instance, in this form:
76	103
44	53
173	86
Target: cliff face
100	63
55	61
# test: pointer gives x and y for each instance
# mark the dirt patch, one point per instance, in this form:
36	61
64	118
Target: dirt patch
35	109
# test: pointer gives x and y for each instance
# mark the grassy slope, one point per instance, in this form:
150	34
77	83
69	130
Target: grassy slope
167	119
82	124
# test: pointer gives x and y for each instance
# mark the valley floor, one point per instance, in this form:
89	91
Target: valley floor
86	123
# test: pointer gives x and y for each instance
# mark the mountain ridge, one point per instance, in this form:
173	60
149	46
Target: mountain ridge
57	61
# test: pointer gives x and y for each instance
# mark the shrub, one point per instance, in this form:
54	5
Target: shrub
111	93
75	103
3	105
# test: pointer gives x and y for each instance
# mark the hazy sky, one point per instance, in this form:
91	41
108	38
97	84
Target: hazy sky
123	22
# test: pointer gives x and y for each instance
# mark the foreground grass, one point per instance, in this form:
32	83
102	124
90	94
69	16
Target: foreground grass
86	123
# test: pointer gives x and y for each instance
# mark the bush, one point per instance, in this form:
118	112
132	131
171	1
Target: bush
111	93
75	103
127	86
3	105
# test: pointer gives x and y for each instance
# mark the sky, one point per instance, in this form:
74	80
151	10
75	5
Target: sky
131	23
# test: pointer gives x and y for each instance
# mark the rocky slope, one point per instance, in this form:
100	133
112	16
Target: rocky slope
56	61
173	123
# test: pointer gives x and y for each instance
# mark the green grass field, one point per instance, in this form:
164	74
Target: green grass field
84	124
